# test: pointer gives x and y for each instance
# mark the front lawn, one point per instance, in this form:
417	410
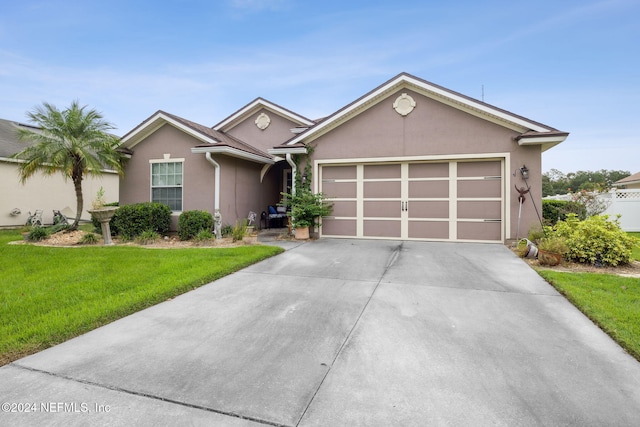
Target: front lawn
612	302
636	249
49	295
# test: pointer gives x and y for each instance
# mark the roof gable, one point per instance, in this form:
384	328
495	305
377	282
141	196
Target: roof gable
533	132
210	139
255	106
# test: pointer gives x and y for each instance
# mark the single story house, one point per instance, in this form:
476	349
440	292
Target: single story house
42	192
407	160
632	182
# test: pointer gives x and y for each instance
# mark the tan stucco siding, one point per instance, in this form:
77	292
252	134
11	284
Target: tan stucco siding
278	131
432	128
48	193
198	176
438	130
240	188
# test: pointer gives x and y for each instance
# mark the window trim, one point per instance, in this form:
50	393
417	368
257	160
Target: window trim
167	159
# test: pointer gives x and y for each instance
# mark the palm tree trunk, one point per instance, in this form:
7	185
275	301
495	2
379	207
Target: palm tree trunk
77	183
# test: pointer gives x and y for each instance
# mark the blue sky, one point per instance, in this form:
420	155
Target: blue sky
573	65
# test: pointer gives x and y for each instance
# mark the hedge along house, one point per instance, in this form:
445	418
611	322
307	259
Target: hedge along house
408	160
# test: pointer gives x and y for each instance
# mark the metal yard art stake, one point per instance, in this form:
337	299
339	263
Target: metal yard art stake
521	191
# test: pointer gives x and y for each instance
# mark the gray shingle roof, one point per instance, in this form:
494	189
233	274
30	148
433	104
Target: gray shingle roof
630	179
9	143
222	138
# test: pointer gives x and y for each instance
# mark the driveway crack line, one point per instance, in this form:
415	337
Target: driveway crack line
392	259
149	396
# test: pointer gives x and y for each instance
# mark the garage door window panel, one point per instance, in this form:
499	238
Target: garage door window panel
381	209
479	169
346	208
429	189
389	171
429	230
339	172
428	170
374	228
428	209
479	230
339	227
382	190
479	188
479	209
339	189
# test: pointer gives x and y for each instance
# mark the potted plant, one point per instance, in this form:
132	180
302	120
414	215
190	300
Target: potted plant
551	250
306	209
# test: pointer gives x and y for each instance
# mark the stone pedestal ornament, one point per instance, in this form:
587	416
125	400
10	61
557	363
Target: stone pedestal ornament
104	215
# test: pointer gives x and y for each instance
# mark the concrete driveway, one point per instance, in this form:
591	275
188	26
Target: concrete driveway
341	333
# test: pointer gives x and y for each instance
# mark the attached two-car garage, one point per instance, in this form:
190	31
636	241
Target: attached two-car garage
447	200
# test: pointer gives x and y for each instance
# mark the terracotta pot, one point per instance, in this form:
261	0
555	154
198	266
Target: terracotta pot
302	233
549	258
250	240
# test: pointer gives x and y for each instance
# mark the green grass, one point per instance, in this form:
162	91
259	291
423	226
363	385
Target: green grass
612	302
49	295
636	250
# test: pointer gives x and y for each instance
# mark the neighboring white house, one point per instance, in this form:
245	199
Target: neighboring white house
42	192
632	182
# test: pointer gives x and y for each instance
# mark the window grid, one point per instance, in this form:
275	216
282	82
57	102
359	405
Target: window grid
166	184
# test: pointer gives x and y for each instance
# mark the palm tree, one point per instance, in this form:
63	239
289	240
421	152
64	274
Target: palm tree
74	142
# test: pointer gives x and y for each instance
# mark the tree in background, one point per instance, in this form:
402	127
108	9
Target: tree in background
555	182
74	142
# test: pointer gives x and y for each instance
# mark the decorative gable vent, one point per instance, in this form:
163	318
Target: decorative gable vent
263	121
404	104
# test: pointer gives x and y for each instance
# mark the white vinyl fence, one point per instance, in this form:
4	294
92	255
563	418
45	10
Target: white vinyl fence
625	203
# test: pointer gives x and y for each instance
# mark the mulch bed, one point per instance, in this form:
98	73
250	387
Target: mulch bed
630	270
73	239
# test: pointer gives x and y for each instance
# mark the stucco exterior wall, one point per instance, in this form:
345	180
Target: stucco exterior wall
240	188
48	193
278	131
436	129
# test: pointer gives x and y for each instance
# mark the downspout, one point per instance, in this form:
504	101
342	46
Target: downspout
293	173
216	166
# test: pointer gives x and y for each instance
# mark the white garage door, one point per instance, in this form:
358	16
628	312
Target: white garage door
445	200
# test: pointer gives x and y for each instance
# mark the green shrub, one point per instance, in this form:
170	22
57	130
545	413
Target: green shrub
96	224
557	210
239	230
37	233
203	237
596	238
554	244
89	239
147	237
227	230
536	233
132	220
307	208
191	223
58	227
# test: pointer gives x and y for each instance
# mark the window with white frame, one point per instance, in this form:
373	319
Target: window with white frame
166	183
